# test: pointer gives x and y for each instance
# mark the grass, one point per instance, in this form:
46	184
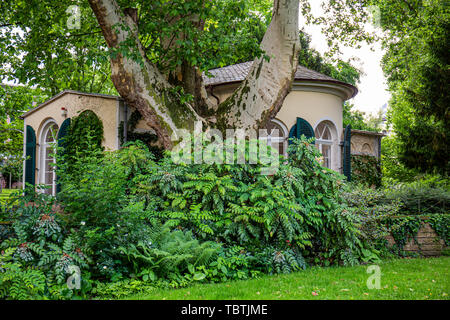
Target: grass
5	194
411	279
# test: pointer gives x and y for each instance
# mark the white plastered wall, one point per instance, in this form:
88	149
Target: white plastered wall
104	107
324	103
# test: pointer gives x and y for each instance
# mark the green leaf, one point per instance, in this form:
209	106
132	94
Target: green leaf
199	276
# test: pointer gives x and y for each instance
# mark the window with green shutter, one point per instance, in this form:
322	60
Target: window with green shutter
302	127
63	130
347	170
30	156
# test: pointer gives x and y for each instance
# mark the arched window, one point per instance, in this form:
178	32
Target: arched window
324	141
277	135
47	145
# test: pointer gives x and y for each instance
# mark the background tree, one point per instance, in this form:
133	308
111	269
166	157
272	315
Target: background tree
414	34
158	51
14	100
37	48
417	68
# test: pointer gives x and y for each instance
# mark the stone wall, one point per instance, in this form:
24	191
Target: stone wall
366	143
428	242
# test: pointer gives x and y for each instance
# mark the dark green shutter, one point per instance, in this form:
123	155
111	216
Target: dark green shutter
30	155
347	170
63	130
302	127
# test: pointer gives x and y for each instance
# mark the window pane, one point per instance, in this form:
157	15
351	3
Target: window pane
323	131
48	152
326	133
326	152
50	133
49	178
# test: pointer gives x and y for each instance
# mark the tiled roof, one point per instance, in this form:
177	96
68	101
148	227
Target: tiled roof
238	72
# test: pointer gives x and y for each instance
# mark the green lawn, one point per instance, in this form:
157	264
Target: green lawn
4	195
400	279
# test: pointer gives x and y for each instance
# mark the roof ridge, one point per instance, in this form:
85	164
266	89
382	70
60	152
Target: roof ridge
225	74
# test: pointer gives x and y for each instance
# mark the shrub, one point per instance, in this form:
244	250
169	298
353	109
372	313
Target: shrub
395	211
236	205
84	137
366	169
18	282
420	197
165	253
372	208
120	215
42	245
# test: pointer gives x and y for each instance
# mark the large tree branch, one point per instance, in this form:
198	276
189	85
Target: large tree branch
142	85
137	80
262	93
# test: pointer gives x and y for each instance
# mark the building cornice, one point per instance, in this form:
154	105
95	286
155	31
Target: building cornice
339	89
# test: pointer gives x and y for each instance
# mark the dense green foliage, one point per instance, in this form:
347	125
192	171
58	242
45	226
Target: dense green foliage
366	169
400	211
84	137
417	68
58	56
52	56
422	197
131	223
414	35
14	100
121	215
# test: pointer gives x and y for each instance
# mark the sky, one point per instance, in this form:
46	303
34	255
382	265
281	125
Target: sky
372	88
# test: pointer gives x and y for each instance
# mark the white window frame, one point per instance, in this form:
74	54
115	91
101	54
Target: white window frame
283	139
43	146
332	142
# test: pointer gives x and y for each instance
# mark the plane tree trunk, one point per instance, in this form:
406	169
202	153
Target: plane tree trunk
143	86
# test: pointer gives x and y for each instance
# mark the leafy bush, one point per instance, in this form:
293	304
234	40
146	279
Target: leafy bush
18	282
299	204
372	208
121	215
165	253
400	211
366	169
121	289
43	245
84	136
421	197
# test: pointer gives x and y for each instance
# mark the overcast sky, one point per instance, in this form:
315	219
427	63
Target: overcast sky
373	92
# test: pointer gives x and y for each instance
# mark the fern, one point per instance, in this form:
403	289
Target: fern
17	282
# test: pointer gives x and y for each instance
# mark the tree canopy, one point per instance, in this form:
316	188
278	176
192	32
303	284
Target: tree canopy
153	53
414	34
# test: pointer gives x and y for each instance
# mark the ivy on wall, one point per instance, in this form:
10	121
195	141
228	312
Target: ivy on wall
84	136
403	229
366	170
146	137
440	223
406	228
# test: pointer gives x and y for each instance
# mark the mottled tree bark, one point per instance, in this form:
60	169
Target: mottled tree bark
137	80
261	94
143	86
